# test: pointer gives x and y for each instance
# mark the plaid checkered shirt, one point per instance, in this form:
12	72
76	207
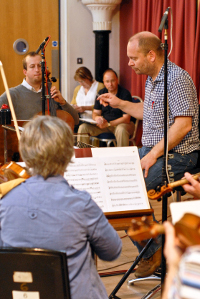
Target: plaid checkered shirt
182	101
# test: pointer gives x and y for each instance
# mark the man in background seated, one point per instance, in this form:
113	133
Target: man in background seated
45	212
110	119
26	97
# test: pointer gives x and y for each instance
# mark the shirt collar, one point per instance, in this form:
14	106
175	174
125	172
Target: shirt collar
161	72
28	86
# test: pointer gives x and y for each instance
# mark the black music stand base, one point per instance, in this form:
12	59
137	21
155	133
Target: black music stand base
138	258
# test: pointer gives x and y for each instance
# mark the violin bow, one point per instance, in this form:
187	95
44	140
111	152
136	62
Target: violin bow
153	194
9	100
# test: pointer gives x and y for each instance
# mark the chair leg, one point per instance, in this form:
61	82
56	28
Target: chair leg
152	292
152	277
108	142
178	196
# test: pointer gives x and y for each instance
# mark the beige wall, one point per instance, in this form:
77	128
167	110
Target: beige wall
78	40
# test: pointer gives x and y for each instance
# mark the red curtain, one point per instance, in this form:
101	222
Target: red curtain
142	15
196	58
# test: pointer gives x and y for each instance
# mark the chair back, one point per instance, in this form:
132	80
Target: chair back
33	273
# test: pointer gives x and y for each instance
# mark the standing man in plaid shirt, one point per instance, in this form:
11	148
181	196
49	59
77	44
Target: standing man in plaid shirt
147	57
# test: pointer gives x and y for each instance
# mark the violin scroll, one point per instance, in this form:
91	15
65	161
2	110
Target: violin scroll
11	171
153	194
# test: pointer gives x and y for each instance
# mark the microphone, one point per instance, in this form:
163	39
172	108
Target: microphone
42	45
164	18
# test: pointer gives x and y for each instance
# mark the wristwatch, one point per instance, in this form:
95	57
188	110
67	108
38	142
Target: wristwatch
109	124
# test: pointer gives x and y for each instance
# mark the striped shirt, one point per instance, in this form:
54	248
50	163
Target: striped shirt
186	284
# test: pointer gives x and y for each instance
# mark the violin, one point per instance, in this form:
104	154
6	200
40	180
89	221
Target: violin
11	171
187	229
153	194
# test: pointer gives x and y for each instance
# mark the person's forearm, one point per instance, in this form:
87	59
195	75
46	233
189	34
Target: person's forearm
171	273
62	101
134	109
88	107
68	108
120	120
94	114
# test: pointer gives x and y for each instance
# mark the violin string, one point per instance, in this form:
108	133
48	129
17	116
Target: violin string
50	102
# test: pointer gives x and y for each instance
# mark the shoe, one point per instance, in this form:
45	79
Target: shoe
148	266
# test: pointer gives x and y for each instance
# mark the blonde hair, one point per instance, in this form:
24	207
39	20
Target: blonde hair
46	145
83	73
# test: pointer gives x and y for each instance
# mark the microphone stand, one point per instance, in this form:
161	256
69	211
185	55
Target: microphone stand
43	80
164	170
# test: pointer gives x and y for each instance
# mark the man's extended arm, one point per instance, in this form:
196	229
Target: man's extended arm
182	125
134	109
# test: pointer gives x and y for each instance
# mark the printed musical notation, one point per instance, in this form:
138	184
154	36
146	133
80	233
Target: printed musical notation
115	183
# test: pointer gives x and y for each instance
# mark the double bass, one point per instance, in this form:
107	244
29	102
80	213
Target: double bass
64	115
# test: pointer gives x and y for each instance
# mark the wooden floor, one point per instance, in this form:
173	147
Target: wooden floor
129	253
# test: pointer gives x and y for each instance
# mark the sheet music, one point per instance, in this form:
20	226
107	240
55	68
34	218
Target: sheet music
88	120
178	209
115	182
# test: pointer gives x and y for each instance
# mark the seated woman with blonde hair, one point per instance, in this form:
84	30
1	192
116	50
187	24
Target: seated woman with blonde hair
85	93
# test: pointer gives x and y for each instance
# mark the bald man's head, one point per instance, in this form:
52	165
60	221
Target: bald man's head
147	41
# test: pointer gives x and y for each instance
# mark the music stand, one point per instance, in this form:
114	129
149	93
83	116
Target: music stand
120	221
164	23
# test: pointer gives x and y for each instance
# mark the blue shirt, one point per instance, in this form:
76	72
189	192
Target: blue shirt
51	214
182	101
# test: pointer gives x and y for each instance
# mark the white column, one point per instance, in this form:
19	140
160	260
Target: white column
101	12
64	49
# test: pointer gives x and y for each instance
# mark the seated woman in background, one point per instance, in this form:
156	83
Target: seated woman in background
46	212
85	93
